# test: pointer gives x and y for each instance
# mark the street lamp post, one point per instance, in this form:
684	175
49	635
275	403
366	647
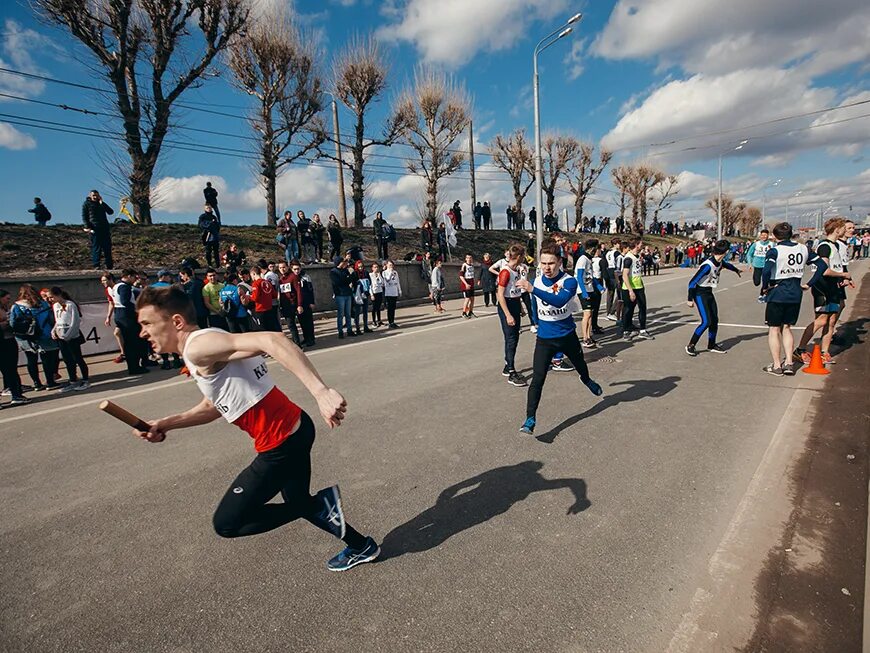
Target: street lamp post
719	203
542	45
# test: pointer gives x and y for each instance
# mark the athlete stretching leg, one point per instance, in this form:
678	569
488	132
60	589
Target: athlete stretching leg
233	377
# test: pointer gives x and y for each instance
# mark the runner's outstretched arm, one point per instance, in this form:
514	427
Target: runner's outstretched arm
203	413
214	347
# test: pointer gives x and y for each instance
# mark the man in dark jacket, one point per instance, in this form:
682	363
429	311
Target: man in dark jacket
487	216
41	214
210	195
477	213
210	226
94	212
306	237
378	225
457	211
124	299
306	318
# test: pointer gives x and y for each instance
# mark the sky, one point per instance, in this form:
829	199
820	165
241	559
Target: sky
673	82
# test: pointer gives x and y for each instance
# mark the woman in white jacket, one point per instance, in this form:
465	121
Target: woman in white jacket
68	334
392	292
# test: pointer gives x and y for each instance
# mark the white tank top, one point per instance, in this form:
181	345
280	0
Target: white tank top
712	278
790	261
510	290
237	387
468	271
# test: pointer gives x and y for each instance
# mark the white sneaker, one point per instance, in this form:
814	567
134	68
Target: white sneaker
611	317
534	329
6	393
646	335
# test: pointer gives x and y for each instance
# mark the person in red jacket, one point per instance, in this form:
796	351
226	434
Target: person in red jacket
264	295
290	300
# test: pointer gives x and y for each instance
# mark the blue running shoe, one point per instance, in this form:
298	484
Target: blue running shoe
594	388
528	427
353	557
332	514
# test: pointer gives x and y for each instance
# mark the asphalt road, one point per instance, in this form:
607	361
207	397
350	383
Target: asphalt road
106	541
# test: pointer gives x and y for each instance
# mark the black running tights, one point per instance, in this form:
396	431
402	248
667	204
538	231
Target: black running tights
245	508
545	349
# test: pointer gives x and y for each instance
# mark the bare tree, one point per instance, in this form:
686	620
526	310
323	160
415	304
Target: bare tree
621	176
359	79
513	154
731	211
274	64
557	153
584	172
430	116
664	193
144	42
750	220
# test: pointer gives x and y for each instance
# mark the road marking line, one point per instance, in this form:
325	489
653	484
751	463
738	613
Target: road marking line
721	324
723	562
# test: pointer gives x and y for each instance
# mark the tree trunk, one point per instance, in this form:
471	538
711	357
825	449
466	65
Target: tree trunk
432	199
622	205
551	200
140	188
270	185
579	200
357	176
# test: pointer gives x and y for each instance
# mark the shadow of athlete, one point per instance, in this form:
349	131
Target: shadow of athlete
637	390
475	501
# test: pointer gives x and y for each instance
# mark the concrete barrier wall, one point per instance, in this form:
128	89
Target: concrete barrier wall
85	287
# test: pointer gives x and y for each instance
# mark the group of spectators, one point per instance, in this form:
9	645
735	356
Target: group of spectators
46	326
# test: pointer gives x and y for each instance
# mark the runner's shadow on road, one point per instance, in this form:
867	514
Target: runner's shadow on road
475	501
637	390
728	343
850	334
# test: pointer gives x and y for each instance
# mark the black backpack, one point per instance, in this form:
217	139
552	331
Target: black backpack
389	233
25	325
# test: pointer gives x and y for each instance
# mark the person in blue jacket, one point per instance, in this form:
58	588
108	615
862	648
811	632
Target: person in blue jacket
32	320
555	291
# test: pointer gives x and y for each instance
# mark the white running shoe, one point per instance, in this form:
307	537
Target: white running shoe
611	317
534	329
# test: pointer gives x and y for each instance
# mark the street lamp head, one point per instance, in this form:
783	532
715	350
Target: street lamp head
739	147
565	32
575	18
744	141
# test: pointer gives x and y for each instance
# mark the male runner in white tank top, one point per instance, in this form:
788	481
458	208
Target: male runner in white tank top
233	377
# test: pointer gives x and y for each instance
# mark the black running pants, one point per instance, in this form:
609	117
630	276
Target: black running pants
628	309
511	332
545	349
286	469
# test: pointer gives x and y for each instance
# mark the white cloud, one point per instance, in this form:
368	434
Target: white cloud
575	59
452	32
709	36
12	139
704	103
756	61
17	44
297	185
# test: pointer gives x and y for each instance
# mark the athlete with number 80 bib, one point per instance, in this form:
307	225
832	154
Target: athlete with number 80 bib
234	379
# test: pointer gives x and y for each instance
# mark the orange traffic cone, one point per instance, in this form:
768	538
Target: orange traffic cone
816	365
